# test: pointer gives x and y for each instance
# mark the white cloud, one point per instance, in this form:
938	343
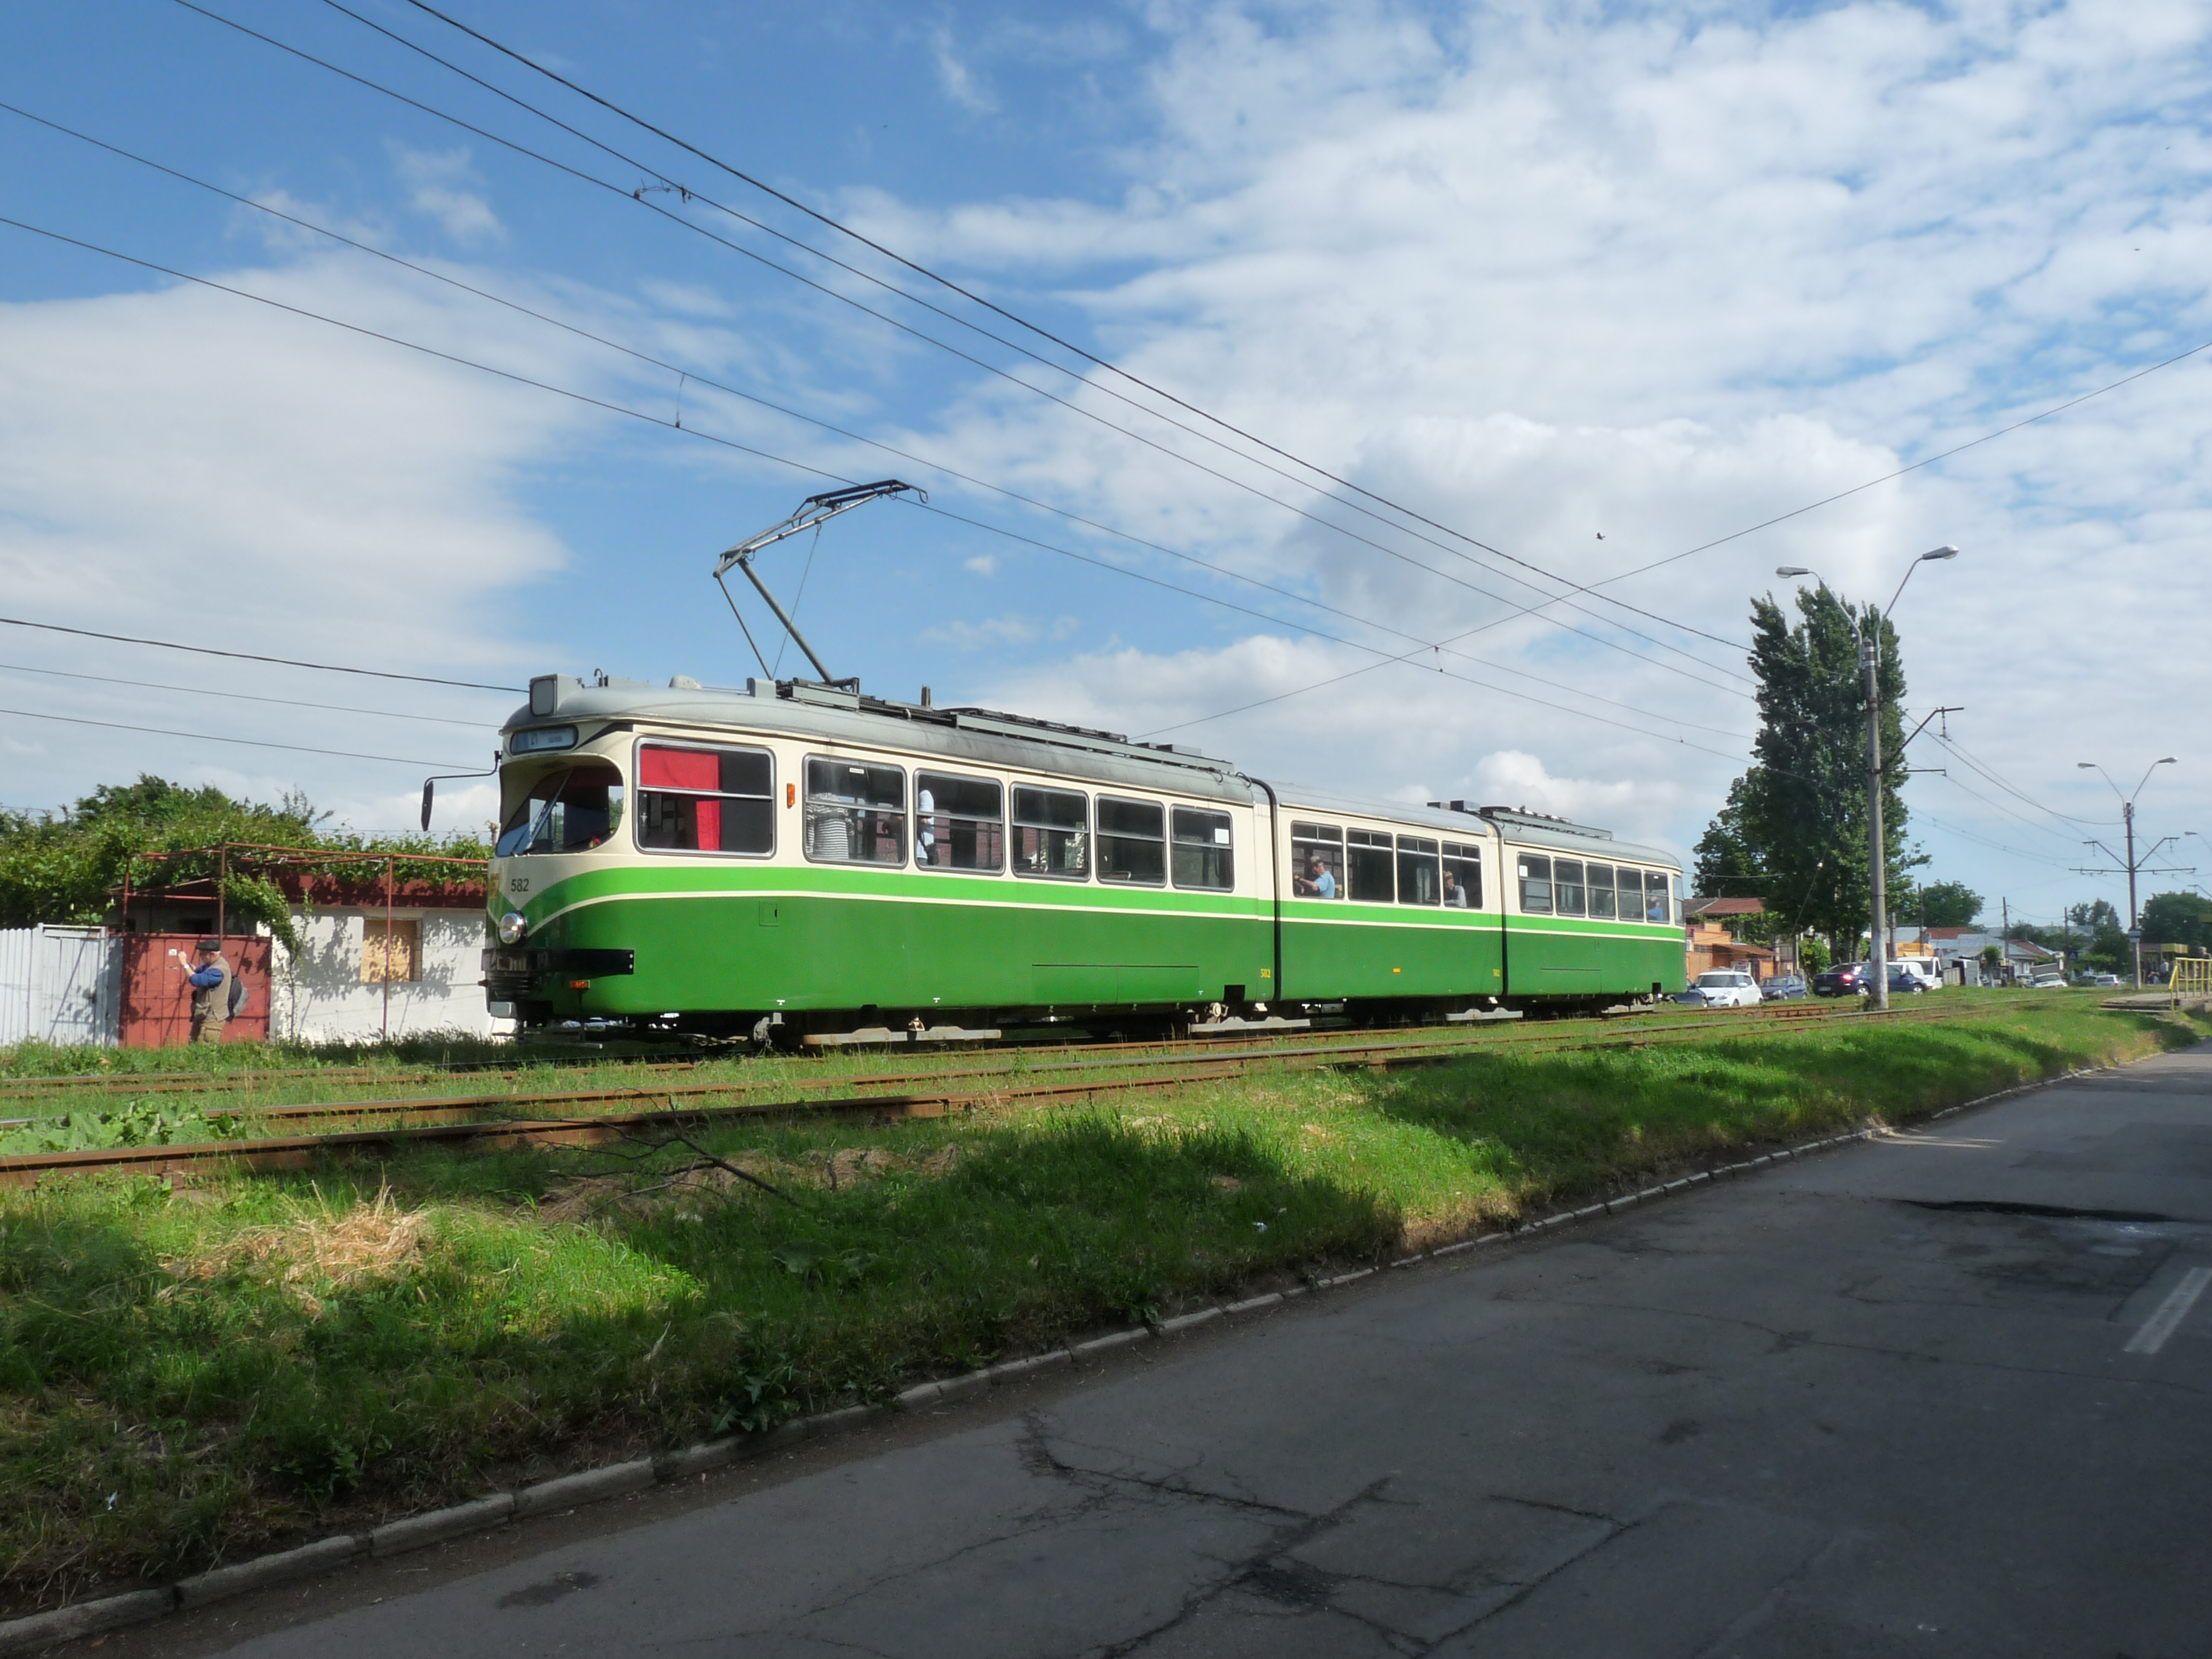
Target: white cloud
185	464
983	564
441	184
955	79
1547	273
1012	629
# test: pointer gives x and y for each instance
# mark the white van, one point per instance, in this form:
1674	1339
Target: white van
1927	970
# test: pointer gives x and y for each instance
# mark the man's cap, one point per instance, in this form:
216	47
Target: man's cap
210	944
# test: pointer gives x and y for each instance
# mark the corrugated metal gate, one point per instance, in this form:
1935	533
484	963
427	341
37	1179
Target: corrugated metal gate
59	985
157	1003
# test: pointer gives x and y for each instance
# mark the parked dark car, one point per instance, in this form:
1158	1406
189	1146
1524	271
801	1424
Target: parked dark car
1847	979
1781	987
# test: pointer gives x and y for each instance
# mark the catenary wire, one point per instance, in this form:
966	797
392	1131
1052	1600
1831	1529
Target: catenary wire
240	696
1518	610
1945	455
209	650
1952	745
825	425
976	299
245	743
610	407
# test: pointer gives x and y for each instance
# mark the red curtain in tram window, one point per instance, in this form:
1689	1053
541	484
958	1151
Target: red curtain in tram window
677	768
710	824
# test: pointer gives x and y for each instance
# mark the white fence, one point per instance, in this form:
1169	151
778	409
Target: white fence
60	985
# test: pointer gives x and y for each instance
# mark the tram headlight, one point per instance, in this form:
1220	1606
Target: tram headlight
512	927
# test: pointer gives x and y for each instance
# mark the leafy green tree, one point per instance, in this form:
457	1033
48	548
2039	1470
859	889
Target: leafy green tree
67	866
1813	956
2178	919
1943	904
2089	918
1794	831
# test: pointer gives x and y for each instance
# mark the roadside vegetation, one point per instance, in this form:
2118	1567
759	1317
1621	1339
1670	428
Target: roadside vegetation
191	1374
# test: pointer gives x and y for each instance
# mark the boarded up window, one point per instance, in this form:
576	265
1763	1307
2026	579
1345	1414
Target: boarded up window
394	955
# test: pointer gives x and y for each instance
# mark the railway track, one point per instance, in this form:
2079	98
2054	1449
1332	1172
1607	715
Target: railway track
250	1078
516	1119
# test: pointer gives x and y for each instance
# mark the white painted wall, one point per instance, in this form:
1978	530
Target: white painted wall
318	996
62	985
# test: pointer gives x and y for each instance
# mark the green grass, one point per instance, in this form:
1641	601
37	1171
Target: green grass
190	1375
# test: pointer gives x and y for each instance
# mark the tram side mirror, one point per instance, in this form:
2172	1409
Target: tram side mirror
429	788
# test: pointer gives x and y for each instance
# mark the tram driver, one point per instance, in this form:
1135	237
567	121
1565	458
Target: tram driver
1317	882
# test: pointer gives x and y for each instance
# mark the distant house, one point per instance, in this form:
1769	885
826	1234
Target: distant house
371	962
2022	959
1711	929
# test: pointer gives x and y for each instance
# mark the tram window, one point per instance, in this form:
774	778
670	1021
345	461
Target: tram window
1418	882
1658	899
573	809
1052	833
856	814
1600	890
1630	886
1464	866
705	800
1535	884
1313	844
1133	841
1202	852
1367	856
1567	886
959	822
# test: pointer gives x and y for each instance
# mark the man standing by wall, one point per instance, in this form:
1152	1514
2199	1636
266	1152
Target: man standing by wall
210	979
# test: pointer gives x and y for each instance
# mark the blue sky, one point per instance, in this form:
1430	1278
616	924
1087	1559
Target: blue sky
1590	285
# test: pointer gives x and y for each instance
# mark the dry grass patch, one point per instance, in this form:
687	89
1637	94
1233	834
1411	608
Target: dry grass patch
321	1254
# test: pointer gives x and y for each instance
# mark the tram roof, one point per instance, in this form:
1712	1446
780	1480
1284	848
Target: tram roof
984	737
801	708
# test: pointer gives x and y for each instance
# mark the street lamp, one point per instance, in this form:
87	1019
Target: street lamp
1877	863
2127	820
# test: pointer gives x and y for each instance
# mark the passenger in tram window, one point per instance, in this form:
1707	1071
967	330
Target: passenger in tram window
1316	882
1455	894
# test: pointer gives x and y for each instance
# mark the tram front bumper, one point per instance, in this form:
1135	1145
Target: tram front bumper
525	975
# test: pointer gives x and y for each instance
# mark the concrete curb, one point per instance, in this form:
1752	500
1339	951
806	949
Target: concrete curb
43	1630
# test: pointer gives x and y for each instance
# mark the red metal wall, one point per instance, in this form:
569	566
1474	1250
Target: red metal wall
157	1003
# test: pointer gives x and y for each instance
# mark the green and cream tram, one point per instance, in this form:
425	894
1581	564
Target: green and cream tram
800	855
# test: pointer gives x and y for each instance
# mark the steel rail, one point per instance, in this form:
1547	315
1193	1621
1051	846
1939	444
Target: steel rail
210	1082
1207	1052
297	1151
1543	1037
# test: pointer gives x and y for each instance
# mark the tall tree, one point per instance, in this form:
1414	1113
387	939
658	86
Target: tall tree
1794	831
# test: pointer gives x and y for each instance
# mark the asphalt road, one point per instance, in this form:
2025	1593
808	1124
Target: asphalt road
1927	1396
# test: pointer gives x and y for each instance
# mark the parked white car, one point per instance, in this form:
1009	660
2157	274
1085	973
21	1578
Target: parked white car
1722	988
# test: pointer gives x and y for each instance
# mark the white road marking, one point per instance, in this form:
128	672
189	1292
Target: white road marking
2170	1313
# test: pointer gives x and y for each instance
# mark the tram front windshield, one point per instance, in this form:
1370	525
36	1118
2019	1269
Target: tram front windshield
572	810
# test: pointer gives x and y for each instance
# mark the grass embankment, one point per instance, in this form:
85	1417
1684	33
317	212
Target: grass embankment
189	1376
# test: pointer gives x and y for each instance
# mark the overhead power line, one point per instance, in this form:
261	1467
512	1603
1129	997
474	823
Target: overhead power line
1930	460
590	401
695	377
973	298
638	198
1953	746
209	650
203	736
240	696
